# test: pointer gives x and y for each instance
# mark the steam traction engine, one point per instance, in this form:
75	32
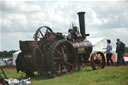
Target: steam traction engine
54	53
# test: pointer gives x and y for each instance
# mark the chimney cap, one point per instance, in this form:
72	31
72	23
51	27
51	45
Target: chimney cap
81	12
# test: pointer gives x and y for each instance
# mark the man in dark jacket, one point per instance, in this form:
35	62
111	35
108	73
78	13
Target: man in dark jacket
120	53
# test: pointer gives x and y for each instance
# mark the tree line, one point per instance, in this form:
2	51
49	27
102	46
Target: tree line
7	53
10	53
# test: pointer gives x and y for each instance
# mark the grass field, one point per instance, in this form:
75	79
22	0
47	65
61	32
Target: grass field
86	76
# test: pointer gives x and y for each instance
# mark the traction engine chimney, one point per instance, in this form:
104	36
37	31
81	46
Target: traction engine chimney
82	24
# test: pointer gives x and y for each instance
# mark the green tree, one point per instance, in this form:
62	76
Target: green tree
7	53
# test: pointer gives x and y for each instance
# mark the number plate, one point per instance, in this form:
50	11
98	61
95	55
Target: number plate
81	50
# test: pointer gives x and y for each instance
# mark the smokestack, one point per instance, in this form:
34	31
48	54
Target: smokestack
82	24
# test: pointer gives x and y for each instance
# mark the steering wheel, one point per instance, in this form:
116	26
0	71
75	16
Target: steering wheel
39	32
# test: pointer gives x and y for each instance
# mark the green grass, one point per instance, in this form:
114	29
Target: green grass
86	76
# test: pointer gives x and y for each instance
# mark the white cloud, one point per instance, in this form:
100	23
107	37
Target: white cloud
14	22
121	31
19	6
10	40
102	18
95	20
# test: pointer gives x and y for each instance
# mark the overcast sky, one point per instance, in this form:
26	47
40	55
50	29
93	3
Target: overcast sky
19	19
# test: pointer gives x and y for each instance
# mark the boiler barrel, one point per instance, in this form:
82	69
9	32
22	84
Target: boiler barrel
84	47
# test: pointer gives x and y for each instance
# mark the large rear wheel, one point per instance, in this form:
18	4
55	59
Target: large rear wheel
61	57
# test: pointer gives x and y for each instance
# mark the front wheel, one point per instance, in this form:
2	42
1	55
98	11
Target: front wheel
97	60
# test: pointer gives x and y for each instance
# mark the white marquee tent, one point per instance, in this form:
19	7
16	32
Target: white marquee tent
15	56
99	44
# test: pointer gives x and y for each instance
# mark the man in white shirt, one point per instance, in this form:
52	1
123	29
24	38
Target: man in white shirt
109	52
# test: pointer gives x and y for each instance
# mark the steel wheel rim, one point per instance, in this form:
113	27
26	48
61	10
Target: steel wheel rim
64	61
98	61
38	59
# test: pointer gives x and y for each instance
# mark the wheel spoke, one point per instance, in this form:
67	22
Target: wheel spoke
62	51
59	70
69	63
57	58
41	33
70	54
58	52
65	69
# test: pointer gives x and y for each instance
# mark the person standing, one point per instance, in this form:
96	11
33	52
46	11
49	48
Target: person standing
109	52
120	52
